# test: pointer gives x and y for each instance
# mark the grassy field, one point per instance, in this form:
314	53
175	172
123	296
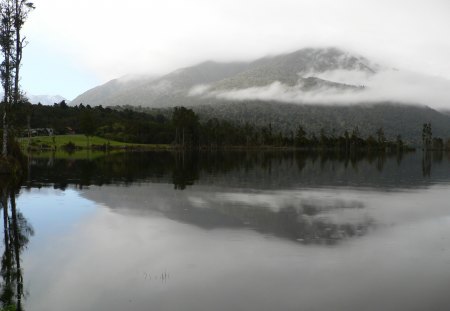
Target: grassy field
76	155
80	141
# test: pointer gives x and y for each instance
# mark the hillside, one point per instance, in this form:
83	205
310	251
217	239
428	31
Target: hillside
167	91
395	119
187	86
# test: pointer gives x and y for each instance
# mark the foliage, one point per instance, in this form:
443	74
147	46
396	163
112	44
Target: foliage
125	125
9	308
184	129
87	124
16	160
395	119
69	147
13	14
427	136
186	126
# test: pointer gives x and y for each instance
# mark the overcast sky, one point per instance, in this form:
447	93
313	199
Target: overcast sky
75	45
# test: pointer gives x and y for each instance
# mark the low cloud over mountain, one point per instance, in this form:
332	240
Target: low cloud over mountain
307	76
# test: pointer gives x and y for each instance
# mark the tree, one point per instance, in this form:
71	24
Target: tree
21	10
300	137
347	140
381	139
399	143
356	140
323	138
427	136
13	15
186	125
6	45
87	125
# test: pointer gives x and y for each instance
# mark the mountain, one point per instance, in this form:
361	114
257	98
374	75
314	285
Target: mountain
318	88
167	91
45	99
187	86
290	69
103	94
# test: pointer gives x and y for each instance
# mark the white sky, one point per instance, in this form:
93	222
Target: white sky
77	44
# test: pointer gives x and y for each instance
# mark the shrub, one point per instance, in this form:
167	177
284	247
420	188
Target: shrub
70	147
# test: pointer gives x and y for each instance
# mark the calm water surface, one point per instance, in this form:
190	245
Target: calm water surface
235	231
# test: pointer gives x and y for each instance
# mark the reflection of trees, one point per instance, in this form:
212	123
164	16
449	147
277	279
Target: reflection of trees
16	233
426	163
262	168
438	156
185	170
430	157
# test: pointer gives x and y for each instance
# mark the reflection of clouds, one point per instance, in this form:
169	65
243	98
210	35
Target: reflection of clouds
306	202
402	265
306	216
319	214
303	215
197	202
269	201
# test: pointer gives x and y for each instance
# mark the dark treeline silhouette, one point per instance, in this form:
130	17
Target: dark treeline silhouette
180	126
122	125
432	143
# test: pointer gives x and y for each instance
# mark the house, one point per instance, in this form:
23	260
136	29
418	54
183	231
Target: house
39	132
70	131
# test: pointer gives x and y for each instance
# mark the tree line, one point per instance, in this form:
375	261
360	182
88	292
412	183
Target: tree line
182	128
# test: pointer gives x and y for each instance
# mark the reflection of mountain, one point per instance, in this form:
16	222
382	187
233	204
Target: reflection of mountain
260	170
309	220
16	233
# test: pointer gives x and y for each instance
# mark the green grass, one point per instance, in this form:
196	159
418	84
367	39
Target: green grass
49	147
76	155
81	141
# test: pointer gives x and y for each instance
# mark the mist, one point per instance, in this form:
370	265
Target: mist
162	36
386	85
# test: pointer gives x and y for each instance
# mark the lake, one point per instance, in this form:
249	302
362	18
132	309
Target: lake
229	231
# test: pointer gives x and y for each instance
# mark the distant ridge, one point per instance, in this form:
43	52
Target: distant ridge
46	99
182	86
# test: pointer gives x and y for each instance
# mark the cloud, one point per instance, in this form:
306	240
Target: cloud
386	85
134	78
109	39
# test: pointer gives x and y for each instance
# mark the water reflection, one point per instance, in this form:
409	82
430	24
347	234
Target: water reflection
305	220
220	245
185	169
301	216
308	223
426	164
265	231
16	234
261	169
